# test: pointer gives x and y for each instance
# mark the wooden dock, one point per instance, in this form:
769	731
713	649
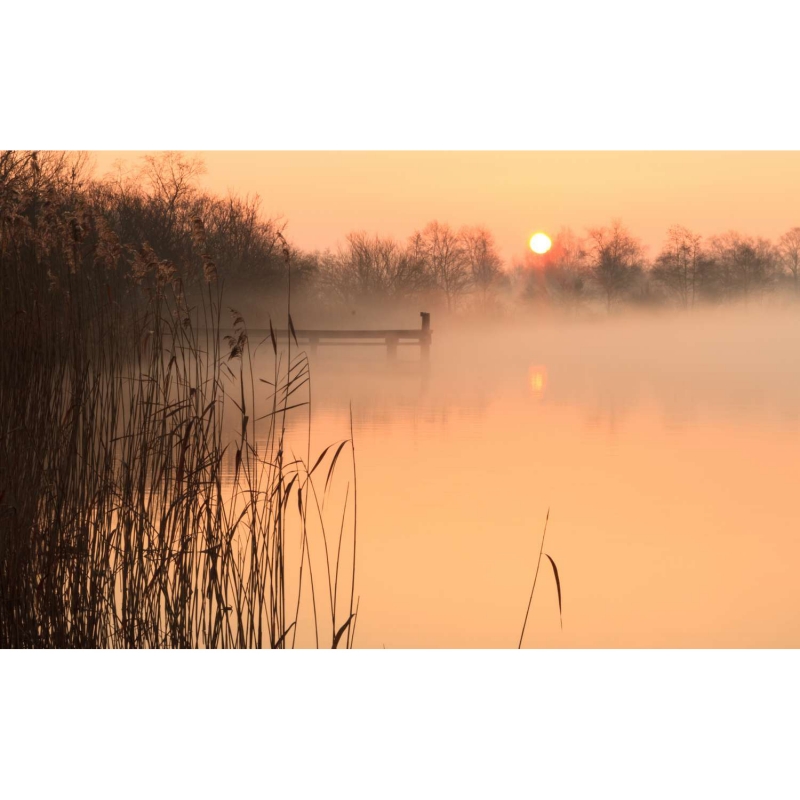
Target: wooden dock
391	339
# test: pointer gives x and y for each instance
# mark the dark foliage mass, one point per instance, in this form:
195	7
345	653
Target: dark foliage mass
116	527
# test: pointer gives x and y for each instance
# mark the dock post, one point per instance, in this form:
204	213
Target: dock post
425	339
391	347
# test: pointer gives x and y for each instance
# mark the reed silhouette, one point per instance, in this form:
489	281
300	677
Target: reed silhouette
116	529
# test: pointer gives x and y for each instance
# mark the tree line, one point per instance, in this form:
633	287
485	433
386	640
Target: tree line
148	213
607	265
610	263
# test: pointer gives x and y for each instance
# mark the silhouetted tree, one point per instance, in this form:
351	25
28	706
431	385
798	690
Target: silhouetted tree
442	251
566	271
743	264
789	249
616	259
172	178
157	204
153	204
371	268
245	242
678	265
480	253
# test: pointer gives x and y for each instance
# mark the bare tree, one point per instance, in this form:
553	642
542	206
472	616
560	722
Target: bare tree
371	267
744	264
678	265
172	177
566	269
242	238
442	251
789	249
616	259
480	252
158	201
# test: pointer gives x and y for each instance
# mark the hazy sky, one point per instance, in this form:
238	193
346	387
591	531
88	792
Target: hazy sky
324	195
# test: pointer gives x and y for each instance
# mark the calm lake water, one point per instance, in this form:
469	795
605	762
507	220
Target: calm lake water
667	450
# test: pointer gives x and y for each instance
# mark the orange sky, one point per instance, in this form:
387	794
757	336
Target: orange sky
324	195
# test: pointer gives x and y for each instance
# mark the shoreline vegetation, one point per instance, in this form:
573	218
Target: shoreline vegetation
116	529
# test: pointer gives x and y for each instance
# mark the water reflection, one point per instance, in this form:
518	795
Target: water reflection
538	380
667	453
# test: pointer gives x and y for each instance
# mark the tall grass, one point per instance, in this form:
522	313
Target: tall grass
120	408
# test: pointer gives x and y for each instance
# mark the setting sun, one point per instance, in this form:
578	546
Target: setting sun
540	243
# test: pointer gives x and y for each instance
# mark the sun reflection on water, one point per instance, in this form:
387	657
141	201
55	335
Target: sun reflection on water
538	380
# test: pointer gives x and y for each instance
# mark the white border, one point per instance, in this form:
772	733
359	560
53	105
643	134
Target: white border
413	76
421	75
621	724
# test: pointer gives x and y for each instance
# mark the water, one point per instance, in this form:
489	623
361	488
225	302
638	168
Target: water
666	448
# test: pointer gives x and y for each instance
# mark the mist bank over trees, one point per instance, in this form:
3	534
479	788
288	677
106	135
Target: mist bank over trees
602	270
609	264
147	214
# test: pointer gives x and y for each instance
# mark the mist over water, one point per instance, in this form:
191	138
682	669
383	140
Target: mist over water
666	447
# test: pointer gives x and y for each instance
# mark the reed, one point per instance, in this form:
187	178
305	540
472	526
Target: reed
536	577
122	415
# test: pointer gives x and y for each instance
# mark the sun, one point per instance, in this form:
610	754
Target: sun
540	243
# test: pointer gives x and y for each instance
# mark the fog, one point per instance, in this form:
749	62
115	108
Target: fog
665	447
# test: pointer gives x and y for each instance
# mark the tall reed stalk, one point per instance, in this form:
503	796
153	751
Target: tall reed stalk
121	410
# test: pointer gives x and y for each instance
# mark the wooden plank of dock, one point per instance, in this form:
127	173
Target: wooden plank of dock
391	339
